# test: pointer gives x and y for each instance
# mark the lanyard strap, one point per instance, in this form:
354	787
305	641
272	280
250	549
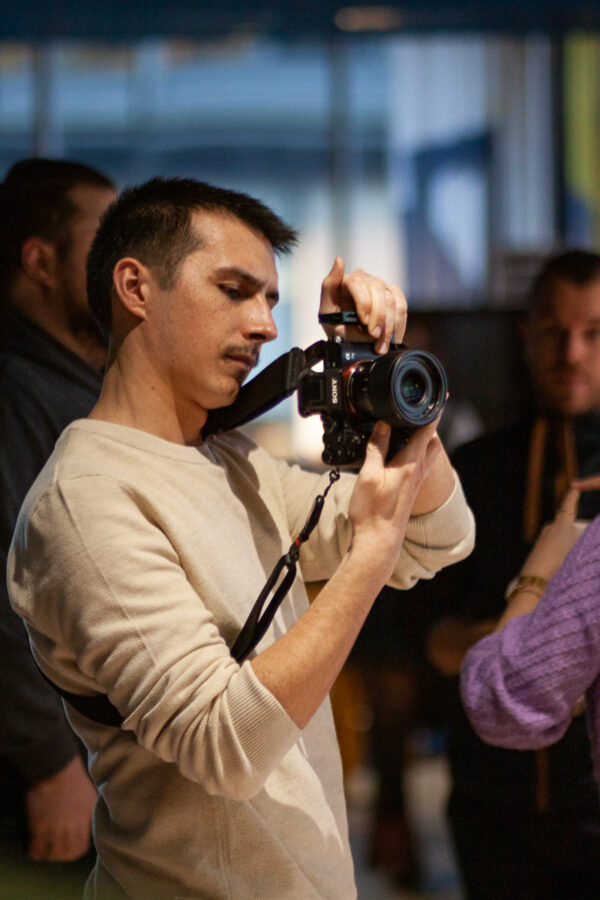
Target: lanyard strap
256	625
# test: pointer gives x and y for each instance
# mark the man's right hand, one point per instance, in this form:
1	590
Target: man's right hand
59	811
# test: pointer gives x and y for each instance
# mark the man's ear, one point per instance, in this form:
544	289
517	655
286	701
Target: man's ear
38	261
131	280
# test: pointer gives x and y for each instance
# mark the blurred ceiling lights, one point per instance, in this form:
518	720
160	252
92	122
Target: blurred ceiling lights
369	18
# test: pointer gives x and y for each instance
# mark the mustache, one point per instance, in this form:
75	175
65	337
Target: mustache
249	350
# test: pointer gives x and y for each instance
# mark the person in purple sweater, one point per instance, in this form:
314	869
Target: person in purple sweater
521	684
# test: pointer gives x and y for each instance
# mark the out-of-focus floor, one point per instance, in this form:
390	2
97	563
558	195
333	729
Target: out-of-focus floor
21	880
426	786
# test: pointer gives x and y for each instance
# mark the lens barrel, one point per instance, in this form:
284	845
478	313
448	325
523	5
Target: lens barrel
405	388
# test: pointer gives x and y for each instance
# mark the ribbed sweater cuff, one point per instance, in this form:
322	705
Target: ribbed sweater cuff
263	727
444	527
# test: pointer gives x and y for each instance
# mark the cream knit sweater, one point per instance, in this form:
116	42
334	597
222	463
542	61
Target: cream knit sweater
134	564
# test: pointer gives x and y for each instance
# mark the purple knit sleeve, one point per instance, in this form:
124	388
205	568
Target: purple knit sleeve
519	685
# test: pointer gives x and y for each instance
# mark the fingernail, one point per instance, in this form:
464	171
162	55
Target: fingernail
376	331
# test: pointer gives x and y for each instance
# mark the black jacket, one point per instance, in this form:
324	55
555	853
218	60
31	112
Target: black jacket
43	387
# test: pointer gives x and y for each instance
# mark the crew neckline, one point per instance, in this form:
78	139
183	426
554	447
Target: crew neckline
142	440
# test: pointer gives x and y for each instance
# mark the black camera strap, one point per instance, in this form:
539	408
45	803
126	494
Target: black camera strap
275	383
256	625
99	709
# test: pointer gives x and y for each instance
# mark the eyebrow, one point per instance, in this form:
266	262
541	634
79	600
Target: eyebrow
590	323
244	275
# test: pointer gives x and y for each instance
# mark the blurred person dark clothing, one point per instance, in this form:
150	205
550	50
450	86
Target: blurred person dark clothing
526	824
43	387
51	358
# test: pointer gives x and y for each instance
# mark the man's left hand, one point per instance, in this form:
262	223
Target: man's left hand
381	307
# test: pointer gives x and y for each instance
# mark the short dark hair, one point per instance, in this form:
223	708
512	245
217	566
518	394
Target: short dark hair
578	267
34	201
152	222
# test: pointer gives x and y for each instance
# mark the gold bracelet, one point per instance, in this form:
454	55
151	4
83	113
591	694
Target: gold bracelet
532	583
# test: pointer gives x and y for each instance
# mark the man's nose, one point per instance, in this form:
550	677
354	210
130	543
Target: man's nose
574	348
260	324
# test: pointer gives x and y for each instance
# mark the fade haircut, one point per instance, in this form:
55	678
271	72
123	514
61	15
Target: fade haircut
35	202
579	267
153	224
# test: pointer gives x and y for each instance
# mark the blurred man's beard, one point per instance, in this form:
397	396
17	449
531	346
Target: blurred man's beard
81	322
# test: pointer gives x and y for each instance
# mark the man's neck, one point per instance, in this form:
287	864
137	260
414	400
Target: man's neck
133	396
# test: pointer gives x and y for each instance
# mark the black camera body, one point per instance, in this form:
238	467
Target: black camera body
356	388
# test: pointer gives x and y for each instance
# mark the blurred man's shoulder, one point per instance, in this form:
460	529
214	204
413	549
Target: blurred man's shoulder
499	454
500	442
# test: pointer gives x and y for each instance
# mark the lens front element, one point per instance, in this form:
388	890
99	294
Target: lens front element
413	388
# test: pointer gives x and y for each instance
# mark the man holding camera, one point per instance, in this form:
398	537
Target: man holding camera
141	548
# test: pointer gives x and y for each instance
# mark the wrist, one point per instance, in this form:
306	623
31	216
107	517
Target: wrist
368	565
530	584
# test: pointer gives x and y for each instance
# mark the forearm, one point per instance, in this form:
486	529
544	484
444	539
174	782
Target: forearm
550	550
300	668
437	487
520	685
524	601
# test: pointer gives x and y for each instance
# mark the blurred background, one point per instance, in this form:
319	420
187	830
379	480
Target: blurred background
445	146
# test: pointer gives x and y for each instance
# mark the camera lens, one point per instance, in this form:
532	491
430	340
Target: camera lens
417	388
405	388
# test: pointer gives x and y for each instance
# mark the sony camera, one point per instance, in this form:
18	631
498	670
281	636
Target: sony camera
356	388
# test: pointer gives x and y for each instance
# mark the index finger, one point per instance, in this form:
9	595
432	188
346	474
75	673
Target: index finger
331	286
592	483
400	313
568	507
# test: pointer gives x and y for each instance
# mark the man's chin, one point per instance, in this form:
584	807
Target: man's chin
575	407
227	398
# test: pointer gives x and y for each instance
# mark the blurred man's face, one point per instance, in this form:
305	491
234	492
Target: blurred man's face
90	203
563	349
